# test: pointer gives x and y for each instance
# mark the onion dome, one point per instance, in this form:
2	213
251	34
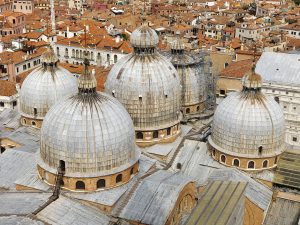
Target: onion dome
43	87
191	75
148	85
248	128
90	136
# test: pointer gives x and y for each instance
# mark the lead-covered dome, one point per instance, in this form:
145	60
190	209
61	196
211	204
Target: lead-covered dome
248	128
148	85
43	87
191	75
91	135
144	37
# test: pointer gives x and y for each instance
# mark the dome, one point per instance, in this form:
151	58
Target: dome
249	125
92	134
191	76
144	37
43	87
148	85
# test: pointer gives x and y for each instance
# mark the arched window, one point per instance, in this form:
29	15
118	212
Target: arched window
115	58
33	123
251	165
80	185
223	158
131	171
66	52
187	110
155	134
73	53
276	99
236	162
119	178
139	135
35	111
101	183
265	163
24	121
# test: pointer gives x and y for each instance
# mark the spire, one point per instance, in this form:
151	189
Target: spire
252	80
52	16
87	82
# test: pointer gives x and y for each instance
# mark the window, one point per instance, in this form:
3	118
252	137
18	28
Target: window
139	135
2	104
222	92
260	149
276	99
294	139
62	165
214	152
115	58
101	183
119	178
198	108
188	110
169	131
275	161
223	158
80	185
24	67
14	103
251	165
265	164
33	123
35	111
236	162
155	134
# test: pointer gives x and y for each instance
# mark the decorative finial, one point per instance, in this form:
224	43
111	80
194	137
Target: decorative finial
87	82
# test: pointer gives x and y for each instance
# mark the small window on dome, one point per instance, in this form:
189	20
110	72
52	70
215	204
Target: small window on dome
101	183
139	135
198	108
294	139
169	131
265	164
260	149
155	134
35	111
188	110
223	158
33	123
236	162
80	185
251	165
131	171
140	97
119	178
276	99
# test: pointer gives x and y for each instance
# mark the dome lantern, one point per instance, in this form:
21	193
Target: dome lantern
144	39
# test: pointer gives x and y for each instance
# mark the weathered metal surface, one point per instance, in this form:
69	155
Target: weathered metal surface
65	211
91	132
147	84
257	193
283	211
155	198
44	86
248	120
222	203
279	68
288	170
94	136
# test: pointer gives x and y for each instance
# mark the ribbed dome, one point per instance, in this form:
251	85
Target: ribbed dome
91	132
44	86
190	72
247	121
144	37
149	87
